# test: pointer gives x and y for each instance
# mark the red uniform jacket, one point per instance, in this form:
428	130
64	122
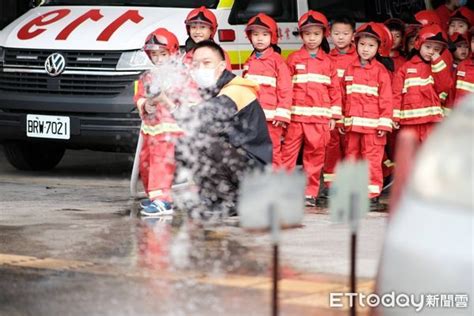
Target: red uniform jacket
161	124
367	98
398	60
464	79
417	87
316	88
342	60
272	74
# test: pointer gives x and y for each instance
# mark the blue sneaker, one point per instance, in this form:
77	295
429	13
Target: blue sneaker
158	208
145	203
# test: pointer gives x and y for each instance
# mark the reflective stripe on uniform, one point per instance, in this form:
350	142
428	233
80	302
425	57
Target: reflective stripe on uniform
443	96
329	177
433	110
336	110
271	81
281	112
311	111
161	128
135	87
367	122
269	114
155	194
396	113
438	67
340	73
374	189
361	88
464	85
317	78
416	82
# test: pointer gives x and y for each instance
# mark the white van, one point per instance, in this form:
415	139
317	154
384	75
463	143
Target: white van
67	67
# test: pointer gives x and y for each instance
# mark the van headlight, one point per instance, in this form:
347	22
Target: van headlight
134	60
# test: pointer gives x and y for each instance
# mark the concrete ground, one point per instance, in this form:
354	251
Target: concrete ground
72	244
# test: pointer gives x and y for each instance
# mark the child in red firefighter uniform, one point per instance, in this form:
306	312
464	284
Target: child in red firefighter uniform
157	164
420	82
316	101
465	74
367	105
201	25
342	55
266	67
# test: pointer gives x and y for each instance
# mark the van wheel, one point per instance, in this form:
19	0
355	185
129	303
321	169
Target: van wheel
33	156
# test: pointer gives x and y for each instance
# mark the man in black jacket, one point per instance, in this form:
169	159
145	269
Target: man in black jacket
226	134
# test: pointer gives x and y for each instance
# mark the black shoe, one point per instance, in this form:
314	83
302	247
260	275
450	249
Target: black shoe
324	194
310	201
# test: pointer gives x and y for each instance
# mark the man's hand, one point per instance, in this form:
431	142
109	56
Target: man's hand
279	124
332	124
342	131
381	133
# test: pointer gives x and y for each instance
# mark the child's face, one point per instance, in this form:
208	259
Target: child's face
429	50
397	38
261	38
342	35
462	51
457	26
367	47
411	43
159	56
200	32
312	37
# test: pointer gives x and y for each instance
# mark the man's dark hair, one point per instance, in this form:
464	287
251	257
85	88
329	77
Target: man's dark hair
212	46
344	19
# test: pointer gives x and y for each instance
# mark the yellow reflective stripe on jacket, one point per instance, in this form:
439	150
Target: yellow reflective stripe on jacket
269	114
386	122
336	110
396	113
464	85
281	112
329	177
361	121
317	78
311	111
374	189
438	67
416	82
361	88
161	128
433	110
271	81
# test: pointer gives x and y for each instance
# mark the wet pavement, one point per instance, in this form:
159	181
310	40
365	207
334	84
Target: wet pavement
72	244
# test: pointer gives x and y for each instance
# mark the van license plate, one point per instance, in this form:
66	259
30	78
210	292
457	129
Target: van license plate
46	126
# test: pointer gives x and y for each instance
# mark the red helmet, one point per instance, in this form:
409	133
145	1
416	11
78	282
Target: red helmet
161	38
313	18
202	15
459	38
463	14
262	20
427	17
386	41
371	29
432	33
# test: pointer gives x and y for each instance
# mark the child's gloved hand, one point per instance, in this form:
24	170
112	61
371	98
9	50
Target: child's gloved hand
395	125
332	124
342	131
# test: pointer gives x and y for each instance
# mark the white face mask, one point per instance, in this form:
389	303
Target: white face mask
205	77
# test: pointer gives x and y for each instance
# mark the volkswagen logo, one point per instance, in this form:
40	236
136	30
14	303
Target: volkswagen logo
55	64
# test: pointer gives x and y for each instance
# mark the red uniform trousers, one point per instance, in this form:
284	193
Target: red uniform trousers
422	131
334	154
314	137
157	167
276	134
371	148
389	157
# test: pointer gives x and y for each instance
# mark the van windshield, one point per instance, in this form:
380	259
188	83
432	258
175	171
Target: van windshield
212	4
